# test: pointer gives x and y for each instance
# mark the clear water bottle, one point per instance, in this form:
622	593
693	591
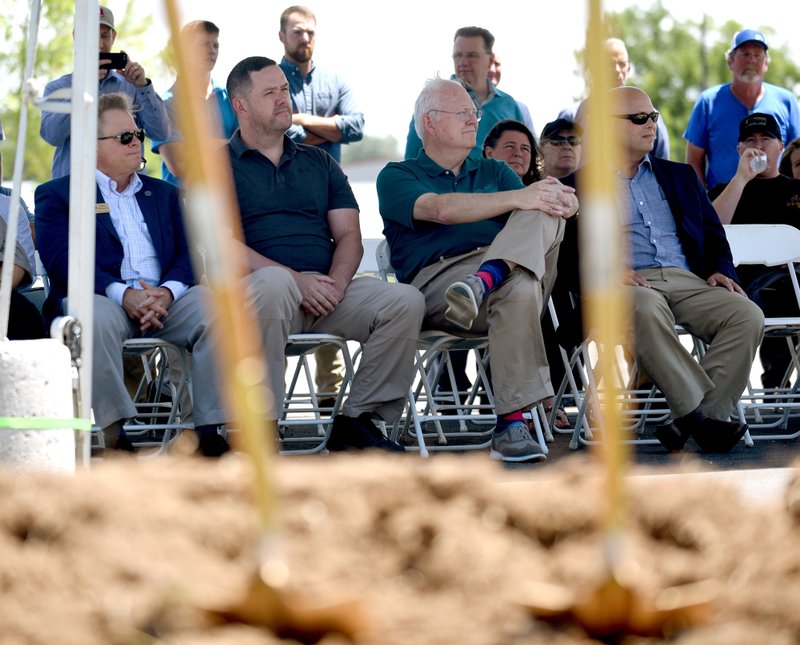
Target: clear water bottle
758	164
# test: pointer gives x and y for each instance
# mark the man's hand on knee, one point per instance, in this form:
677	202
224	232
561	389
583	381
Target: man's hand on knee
720	280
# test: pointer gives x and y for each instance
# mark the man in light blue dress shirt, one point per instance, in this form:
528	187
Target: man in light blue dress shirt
325	115
325	112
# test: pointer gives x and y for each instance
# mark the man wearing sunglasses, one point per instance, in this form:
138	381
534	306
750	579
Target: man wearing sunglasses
621	68
144	284
681	272
149	109
562	142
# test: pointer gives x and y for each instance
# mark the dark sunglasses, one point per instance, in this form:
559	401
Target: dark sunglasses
126	137
640	118
560	141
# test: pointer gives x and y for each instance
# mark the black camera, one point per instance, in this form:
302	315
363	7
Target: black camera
118	60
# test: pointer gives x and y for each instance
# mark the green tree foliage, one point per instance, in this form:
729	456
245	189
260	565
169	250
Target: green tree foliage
54	57
675	61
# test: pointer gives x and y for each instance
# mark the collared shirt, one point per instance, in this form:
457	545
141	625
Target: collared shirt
20	257
284	208
24	218
651	226
139	261
324	93
415	243
497	107
149	113
221	115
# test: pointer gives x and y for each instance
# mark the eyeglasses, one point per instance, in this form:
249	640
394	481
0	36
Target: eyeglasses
640	118
126	137
560	141
464	115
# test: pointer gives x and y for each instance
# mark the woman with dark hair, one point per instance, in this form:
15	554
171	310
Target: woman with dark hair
512	142
790	160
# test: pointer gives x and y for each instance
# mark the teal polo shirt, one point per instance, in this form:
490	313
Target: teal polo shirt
415	244
498	107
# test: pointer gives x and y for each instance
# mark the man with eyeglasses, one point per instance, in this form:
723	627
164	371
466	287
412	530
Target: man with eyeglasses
620	72
681	272
149	109
711	133
472	57
482	249
144	283
760	194
561	148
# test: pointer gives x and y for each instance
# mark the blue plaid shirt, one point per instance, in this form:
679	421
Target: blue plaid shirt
650	224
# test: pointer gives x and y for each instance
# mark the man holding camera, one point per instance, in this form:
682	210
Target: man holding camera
116	74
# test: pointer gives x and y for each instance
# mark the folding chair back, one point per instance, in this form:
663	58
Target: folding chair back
772	245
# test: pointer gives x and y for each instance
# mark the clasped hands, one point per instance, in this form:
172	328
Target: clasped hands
552	198
148	305
320	293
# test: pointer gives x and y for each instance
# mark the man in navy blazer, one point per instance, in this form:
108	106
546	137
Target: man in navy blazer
681	272
144	283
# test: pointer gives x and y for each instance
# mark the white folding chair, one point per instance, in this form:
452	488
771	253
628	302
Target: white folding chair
456	420
772	245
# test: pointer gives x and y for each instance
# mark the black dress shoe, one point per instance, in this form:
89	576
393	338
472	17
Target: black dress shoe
209	442
713	435
115	438
358	433
671	437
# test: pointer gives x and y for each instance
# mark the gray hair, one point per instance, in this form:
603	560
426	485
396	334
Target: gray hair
428	99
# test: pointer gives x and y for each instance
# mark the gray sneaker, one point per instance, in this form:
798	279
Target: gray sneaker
516	444
464	298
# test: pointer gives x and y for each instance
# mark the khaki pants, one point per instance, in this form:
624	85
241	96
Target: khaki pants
511	313
385	318
731	324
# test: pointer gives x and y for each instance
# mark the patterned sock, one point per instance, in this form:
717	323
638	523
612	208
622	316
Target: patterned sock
507	419
492	273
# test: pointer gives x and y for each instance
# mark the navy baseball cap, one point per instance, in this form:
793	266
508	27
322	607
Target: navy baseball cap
759	122
748	36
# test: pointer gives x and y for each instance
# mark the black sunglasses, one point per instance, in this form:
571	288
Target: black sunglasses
126	137
560	141
640	118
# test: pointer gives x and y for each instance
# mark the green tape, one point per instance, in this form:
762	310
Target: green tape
42	423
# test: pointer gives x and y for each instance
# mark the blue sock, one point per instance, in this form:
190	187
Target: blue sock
492	273
507	419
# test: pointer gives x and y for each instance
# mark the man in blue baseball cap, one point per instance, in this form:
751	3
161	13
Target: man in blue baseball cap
713	129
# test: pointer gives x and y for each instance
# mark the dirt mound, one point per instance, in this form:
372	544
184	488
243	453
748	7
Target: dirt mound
438	551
